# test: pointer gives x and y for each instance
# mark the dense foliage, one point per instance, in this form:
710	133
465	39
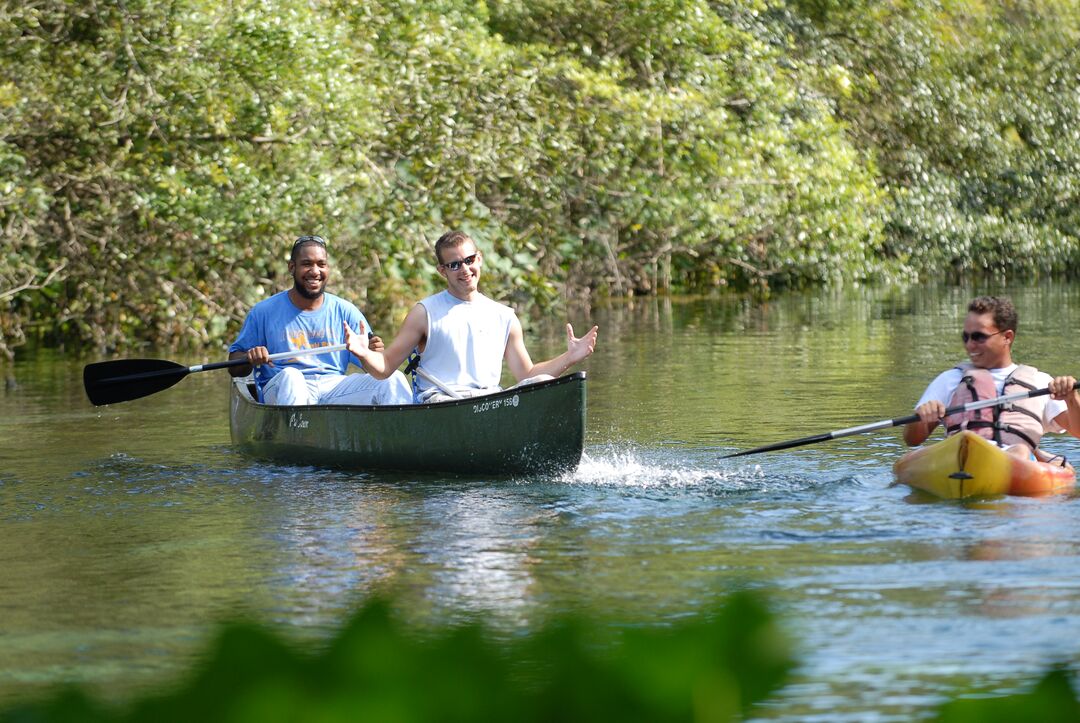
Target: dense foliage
717	667
157	157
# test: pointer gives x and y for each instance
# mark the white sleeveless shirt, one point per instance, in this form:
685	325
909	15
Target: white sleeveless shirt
466	341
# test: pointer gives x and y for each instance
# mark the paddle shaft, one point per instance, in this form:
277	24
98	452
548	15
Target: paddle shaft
182	370
885	423
442	387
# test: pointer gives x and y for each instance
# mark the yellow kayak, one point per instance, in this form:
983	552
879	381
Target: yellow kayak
967	465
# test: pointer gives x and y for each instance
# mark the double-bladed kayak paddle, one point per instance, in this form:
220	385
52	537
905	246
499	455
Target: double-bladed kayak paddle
885	423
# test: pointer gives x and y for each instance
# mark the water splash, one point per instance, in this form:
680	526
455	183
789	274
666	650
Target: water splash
694	471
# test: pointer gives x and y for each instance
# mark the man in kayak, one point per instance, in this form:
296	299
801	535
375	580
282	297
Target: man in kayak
988	336
464	336
304	317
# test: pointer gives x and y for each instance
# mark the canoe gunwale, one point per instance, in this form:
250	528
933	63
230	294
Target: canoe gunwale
243	386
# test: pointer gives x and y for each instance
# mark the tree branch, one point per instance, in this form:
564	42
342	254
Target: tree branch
31	286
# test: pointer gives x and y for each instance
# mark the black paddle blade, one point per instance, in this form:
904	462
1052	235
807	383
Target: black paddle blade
122	380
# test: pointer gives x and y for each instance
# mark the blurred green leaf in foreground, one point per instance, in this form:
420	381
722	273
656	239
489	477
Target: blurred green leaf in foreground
713	668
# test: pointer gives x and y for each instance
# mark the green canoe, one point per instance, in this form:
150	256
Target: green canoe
534	428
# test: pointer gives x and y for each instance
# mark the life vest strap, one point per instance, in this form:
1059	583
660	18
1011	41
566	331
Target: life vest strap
998	428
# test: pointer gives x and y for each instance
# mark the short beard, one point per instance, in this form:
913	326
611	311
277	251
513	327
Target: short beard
309	295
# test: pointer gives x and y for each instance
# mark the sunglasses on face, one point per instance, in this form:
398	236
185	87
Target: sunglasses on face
467	261
977	336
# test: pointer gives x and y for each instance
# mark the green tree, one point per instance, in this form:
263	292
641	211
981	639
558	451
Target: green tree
157	158
969	110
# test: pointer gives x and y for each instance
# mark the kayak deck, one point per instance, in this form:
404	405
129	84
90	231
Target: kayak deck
968	465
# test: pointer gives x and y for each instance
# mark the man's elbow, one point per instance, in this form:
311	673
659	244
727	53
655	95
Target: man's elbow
914	434
240	370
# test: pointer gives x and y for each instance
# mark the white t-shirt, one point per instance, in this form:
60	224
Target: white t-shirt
945	384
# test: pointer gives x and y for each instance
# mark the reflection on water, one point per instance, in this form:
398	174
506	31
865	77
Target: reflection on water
126	532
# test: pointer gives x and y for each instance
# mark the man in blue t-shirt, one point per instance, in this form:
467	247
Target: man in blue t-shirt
305	317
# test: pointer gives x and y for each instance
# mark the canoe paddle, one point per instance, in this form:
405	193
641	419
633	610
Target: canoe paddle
122	380
441	386
884	423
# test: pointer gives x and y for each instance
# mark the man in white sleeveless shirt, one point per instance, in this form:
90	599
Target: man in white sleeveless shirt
463	336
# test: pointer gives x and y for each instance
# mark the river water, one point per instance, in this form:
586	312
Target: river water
128	532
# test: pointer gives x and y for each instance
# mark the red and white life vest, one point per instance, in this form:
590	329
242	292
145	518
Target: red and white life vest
1017	422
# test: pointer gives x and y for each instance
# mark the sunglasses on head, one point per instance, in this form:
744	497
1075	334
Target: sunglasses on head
977	336
309	240
467	261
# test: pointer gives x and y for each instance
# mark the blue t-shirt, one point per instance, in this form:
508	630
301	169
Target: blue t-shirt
281	326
